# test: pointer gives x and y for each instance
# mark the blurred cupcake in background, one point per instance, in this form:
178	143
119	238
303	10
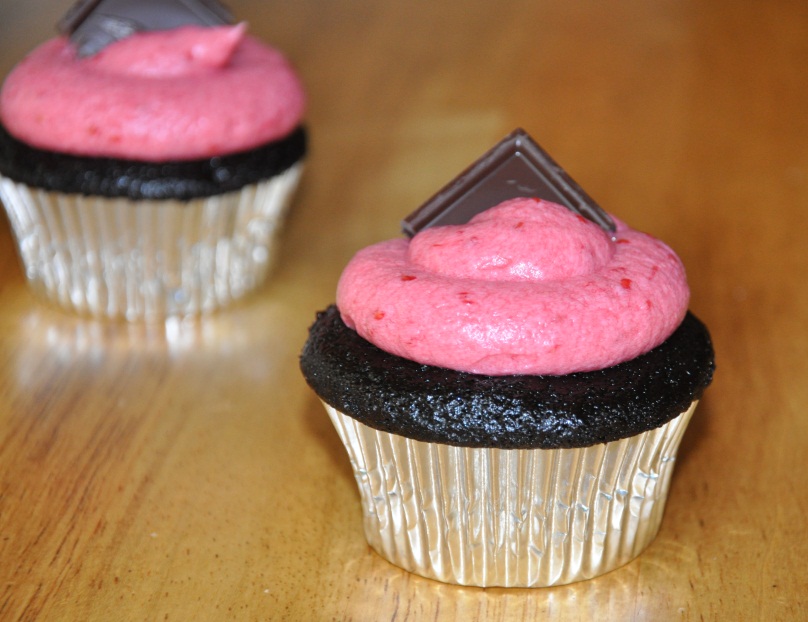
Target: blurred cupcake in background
148	157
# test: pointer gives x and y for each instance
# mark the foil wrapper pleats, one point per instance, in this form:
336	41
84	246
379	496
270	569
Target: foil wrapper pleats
149	259
510	517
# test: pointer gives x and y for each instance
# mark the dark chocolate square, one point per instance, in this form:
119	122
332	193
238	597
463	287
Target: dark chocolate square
515	167
94	24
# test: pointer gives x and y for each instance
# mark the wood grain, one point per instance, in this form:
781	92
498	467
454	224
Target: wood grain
186	472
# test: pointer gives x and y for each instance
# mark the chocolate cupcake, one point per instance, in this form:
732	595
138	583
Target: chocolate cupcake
147	159
511	391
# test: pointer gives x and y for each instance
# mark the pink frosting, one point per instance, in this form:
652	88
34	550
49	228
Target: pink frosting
166	95
527	287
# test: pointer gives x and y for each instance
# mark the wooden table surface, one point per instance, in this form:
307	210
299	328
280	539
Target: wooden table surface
186	471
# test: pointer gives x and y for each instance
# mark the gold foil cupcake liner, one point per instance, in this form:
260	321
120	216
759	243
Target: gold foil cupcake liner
114	257
510	517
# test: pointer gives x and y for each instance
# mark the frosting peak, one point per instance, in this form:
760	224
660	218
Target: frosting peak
170	53
527	287
515	241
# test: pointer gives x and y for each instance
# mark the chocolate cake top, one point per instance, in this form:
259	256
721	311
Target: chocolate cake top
433	404
136	180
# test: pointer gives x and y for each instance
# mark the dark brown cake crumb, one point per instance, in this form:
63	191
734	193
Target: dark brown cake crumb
136	180
438	405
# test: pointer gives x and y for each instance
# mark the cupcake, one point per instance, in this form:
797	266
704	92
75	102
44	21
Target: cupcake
511	386
147	159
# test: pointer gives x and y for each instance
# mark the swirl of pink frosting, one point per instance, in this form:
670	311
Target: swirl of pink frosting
166	95
526	287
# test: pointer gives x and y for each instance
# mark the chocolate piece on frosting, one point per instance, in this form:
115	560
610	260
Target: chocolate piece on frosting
516	167
94	24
